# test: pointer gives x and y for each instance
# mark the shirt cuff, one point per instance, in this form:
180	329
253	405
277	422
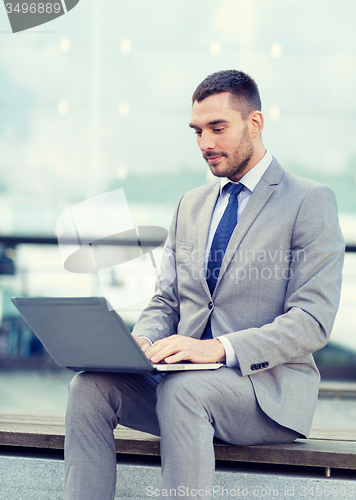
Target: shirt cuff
231	358
147	338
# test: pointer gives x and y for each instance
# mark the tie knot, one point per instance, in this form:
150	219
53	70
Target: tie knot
235	189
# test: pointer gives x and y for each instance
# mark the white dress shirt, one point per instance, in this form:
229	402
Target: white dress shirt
250	181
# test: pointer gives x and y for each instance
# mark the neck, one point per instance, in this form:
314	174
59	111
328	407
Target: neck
258	155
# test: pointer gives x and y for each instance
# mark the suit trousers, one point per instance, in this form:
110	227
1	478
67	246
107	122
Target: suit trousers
187	409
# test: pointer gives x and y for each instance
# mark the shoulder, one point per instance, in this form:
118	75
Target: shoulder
294	185
194	201
316	199
199	194
313	204
203	190
302	183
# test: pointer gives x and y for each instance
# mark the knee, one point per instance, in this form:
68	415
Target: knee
175	394
81	385
89	400
85	392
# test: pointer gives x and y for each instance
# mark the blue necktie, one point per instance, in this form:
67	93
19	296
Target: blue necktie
220	241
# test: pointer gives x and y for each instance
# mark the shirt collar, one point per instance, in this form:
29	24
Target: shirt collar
253	176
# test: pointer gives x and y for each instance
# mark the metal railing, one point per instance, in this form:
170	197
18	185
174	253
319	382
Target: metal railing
12	241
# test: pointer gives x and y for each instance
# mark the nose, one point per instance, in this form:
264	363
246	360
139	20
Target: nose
206	142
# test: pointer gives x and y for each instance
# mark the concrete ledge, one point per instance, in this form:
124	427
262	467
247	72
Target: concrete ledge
337	390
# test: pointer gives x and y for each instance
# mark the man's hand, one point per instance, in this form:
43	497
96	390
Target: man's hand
178	348
143	343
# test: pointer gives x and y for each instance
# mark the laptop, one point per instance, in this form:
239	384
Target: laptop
82	334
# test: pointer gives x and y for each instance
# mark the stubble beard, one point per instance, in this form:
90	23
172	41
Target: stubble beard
238	161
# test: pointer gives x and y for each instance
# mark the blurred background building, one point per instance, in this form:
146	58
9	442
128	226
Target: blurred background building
100	99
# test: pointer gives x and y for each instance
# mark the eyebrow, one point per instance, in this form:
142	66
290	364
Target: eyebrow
213	122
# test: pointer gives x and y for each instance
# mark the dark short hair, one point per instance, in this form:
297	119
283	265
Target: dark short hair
244	90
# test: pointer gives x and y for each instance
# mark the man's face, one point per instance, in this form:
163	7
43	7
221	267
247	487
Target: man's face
223	136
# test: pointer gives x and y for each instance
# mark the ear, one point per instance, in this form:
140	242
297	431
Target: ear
256	123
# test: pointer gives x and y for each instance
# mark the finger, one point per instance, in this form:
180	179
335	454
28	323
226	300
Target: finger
177	357
157	346
143	343
164	352
152	350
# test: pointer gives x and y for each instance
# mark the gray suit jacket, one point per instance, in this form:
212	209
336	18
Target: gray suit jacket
277	293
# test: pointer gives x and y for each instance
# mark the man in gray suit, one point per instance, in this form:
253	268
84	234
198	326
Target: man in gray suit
260	295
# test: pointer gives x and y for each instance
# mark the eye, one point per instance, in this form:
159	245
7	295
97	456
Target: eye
197	132
218	130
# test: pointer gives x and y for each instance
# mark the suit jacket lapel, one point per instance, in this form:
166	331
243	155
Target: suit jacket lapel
259	198
204	220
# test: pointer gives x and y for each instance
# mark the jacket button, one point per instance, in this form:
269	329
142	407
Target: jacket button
210	305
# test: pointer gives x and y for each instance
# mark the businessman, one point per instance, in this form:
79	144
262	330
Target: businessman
251	276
